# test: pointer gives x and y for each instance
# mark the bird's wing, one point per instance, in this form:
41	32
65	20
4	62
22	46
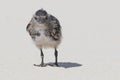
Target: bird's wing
30	28
55	32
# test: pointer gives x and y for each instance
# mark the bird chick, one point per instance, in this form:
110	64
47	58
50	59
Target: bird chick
45	31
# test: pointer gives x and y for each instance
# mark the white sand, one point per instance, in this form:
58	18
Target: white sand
91	38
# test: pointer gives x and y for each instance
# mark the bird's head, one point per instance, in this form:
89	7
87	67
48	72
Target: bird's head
40	16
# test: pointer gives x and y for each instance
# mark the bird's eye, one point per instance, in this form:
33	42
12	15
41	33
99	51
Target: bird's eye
35	18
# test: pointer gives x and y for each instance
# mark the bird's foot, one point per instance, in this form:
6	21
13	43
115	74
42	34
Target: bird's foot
54	65
57	64
40	65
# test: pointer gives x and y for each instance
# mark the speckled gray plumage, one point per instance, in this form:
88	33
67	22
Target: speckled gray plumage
45	31
53	28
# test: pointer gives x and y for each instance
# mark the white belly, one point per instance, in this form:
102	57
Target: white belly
45	41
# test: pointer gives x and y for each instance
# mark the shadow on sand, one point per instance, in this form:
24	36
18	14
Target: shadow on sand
67	64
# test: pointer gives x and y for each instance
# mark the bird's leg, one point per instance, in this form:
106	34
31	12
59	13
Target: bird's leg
42	59
56	57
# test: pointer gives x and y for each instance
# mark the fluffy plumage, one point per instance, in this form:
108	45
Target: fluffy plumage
45	31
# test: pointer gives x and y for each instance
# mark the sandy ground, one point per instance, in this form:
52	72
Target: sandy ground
90	49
